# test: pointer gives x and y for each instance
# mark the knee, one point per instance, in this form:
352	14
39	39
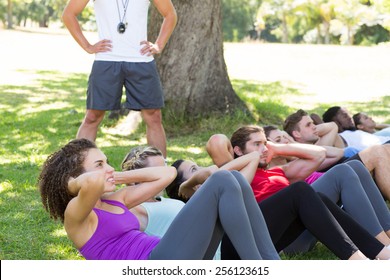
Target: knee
152	116
241	180
301	187
223	175
356	164
385	149
343	172
224	180
94	117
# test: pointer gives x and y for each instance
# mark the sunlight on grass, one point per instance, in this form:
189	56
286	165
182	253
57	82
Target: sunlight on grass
59	233
39	107
5	186
121	140
193	150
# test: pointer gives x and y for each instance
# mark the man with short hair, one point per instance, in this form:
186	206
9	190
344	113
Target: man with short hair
302	128
376	158
347	130
341	184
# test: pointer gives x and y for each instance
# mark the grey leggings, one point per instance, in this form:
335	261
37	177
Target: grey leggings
224	203
350	185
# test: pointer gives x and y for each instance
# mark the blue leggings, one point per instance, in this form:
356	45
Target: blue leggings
224	203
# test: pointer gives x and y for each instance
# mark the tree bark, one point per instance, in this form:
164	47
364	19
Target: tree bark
192	66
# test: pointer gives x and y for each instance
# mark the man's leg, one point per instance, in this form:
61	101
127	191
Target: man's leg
89	126
377	161
155	133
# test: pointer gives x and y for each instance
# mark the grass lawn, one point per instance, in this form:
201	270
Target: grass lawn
38	117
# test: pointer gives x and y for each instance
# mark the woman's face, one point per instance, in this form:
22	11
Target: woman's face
279	136
366	122
188	168
95	161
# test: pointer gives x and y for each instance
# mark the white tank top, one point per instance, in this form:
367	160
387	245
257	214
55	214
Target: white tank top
125	46
161	215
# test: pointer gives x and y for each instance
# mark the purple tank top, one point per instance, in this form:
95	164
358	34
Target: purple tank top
117	237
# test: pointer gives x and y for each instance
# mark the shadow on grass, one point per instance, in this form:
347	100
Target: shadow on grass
375	108
267	101
35	120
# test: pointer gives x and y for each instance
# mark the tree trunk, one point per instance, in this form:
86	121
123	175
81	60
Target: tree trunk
192	66
9	15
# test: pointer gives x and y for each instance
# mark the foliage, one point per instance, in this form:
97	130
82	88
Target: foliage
323	21
364	22
238	19
41	12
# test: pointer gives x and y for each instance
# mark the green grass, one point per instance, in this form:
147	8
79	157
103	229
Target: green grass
36	119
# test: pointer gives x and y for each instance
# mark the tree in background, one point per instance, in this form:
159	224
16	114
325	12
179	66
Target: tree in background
238	19
284	11
192	67
317	14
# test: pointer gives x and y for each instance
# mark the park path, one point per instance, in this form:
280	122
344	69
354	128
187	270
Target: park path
327	73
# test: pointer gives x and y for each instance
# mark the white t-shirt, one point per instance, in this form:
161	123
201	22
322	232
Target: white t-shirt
125	46
361	140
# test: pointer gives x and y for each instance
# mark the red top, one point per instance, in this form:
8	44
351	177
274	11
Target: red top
268	182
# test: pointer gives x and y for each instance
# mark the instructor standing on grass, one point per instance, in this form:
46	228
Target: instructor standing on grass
123	57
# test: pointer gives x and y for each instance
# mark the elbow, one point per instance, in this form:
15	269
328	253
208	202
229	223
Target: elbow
321	156
65	17
173	17
65	14
172	172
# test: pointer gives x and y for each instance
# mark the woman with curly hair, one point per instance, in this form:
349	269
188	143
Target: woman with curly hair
78	186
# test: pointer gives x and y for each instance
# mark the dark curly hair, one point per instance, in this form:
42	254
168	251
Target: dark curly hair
55	174
173	188
330	114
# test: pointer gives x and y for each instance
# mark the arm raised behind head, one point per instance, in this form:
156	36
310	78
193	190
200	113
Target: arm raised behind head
142	184
309	157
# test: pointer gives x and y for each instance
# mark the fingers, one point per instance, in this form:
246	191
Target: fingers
149	48
101	46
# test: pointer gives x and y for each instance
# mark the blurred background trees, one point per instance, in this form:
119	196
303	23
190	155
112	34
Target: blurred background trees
349	22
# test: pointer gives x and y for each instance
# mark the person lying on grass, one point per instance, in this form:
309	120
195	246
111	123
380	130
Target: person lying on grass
78	186
288	211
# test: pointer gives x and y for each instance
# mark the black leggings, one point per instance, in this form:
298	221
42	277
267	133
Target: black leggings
298	207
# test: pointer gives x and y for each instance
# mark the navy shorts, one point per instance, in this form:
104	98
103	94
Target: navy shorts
140	79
